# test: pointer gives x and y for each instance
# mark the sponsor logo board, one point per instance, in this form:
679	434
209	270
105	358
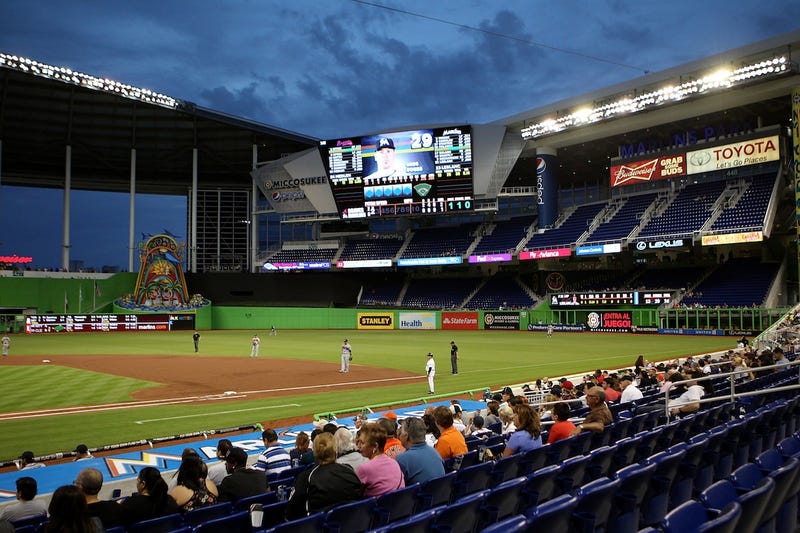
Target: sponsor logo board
501	320
459	320
416	321
375	321
545	254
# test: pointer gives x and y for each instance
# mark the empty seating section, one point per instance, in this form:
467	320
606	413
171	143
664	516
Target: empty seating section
304	254
750	210
438	293
687	213
624	221
363	249
438	242
506	236
501	291
668	278
569	231
740	282
385	293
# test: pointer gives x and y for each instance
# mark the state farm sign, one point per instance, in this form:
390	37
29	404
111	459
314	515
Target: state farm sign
460	320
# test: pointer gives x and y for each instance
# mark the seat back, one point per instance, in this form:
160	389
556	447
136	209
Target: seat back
503	501
195	517
307	524
353	517
595	500
554	516
395	505
472	479
540	486
462	514
238	522
162	524
436	492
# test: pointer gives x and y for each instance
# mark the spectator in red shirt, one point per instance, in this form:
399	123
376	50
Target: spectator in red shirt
563	427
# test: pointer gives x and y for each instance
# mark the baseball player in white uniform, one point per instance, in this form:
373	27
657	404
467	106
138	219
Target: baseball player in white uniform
430	369
256	342
6	342
347	355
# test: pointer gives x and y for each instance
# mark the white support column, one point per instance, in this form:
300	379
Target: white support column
132	214
193	229
253	219
65	244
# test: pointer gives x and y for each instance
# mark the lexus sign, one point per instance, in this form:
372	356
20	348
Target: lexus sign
653	246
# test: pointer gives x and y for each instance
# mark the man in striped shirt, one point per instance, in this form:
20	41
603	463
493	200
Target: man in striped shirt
274	459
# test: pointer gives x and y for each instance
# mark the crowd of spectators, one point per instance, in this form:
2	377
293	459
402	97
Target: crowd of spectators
336	464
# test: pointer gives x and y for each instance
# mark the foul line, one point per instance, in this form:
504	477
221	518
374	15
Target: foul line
218	413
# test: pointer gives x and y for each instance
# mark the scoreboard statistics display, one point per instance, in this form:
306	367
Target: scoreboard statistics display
88	323
615	298
416	172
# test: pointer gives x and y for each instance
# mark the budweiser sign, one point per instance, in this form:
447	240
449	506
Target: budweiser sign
649	170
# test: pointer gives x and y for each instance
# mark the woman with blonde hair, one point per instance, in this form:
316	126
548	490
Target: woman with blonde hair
506	414
326	485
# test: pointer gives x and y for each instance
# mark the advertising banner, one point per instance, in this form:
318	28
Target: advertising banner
598	249
546	188
654	169
430	261
490	258
654	246
567	328
731	238
375	321
734	155
364	263
417	321
501	320
459	320
545	254
611	322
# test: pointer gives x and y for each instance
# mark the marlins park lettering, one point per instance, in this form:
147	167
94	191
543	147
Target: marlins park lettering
375	321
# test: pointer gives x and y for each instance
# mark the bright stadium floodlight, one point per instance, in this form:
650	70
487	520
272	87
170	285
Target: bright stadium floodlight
721	79
67	75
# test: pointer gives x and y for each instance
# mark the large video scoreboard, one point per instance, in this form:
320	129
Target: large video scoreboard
88	323
418	172
610	298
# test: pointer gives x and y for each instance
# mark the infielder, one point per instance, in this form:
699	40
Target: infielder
347	356
454	357
6	342
256	342
430	369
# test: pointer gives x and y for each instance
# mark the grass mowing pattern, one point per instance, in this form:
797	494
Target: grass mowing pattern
488	359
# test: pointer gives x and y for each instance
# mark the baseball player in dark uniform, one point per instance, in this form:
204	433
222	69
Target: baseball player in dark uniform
196	340
454	357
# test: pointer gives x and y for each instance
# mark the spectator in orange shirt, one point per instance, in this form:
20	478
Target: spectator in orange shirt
451	443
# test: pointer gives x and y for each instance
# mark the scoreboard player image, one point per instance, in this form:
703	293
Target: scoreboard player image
398	156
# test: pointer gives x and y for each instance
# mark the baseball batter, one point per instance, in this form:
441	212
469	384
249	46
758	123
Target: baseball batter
430	369
6	343
347	356
256	342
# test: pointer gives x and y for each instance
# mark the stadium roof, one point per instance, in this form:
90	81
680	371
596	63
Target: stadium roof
586	149
43	109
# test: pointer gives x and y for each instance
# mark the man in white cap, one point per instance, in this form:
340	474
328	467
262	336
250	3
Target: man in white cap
430	370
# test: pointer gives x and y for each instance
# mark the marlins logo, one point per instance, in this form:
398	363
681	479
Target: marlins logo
593	320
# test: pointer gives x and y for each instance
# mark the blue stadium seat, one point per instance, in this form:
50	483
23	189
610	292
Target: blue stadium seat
461	515
472	479
513	524
600	463
505	468
264	499
753	502
657	499
274	514
533	460
396	505
353	517
634	484
540	486
595	500
162	524
417	523
197	516
572	473
503	500
692	516
554	516
238	522
436	492
34	521
308	524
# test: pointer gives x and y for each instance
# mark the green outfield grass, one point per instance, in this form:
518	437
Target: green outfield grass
488	359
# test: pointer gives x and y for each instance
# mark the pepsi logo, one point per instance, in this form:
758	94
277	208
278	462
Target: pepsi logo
541	165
